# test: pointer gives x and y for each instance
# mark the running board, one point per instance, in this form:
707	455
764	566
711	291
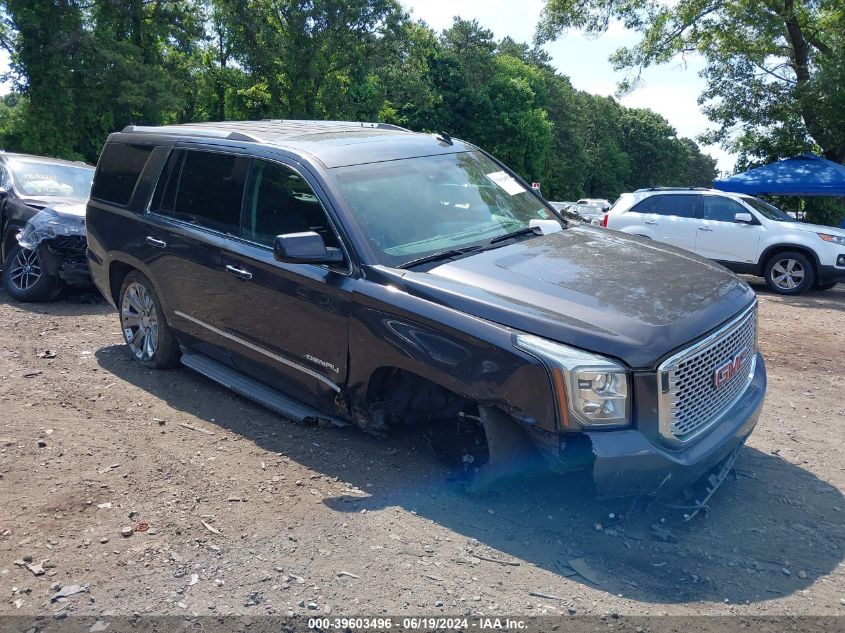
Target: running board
255	391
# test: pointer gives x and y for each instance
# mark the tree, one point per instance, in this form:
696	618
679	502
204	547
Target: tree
311	59
774	68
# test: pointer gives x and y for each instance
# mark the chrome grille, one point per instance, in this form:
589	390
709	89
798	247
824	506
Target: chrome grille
694	392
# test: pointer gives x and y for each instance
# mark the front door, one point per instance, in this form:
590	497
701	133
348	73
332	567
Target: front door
289	322
721	237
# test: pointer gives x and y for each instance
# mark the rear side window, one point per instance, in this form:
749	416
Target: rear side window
721	209
165	193
681	206
210	190
118	171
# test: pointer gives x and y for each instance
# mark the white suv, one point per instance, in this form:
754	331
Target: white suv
740	232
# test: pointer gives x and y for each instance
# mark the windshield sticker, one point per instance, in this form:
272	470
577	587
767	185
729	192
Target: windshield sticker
506	182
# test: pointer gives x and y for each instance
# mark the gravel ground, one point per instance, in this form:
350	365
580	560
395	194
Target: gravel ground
230	509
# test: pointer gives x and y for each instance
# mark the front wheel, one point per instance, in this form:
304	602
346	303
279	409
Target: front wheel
145	329
24	277
790	273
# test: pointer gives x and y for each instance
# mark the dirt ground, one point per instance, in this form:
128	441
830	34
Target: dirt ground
238	511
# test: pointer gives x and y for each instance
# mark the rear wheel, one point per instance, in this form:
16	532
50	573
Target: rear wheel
790	273
145	329
25	279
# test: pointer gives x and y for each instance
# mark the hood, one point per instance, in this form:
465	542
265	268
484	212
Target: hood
812	228
599	290
62	205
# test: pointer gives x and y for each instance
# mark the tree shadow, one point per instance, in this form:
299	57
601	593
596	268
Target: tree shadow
833	299
773	529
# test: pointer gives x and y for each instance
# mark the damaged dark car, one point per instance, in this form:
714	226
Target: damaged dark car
42	225
363	273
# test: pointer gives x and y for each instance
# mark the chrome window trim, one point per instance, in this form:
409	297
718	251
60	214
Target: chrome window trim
260	350
667	367
171	219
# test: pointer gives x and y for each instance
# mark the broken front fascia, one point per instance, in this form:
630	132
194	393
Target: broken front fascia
48	224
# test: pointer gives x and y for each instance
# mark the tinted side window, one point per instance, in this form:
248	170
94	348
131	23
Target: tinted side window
165	193
210	190
721	209
681	206
645	206
280	201
118	170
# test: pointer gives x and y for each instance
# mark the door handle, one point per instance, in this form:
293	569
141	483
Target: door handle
240	273
704	228
154	242
650	221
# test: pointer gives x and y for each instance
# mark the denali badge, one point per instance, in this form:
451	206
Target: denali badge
729	368
322	362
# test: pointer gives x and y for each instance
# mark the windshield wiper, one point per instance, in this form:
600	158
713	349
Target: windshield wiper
434	257
528	230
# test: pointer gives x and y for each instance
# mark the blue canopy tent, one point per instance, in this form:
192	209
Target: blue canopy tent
804	175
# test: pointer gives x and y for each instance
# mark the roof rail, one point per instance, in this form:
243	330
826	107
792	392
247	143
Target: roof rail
192	131
672	189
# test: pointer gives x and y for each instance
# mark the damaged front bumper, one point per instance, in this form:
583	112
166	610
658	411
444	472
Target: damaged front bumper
60	239
628	463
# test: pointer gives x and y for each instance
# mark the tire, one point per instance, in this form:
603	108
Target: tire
24	278
790	273
145	330
826	286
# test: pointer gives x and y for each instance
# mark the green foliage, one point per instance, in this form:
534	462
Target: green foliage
84	68
775	70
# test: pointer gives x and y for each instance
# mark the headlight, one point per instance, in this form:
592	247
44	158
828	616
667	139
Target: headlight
833	239
592	391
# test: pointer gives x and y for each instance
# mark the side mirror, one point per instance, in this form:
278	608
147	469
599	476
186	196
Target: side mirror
305	248
744	218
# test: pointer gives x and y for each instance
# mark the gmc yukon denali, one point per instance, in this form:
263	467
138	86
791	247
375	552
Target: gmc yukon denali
359	272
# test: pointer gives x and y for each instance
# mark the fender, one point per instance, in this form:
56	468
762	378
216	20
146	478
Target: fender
390	328
784	246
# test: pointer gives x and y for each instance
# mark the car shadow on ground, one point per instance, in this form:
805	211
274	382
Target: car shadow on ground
772	530
76	301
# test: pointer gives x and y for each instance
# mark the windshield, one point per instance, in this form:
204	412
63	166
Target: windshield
32	178
411	208
769	211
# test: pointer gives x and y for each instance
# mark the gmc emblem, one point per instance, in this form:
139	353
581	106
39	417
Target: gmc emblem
729	368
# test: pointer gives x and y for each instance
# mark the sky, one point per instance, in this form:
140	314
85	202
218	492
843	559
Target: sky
671	90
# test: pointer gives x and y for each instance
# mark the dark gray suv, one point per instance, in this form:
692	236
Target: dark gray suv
364	273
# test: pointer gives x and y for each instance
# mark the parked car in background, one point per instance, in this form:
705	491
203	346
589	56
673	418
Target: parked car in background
42	224
599	203
361	272
740	232
579	212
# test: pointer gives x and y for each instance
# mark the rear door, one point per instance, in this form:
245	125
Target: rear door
289	321
721	237
195	210
670	218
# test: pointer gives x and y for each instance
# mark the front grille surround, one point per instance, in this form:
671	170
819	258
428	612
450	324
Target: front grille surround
689	402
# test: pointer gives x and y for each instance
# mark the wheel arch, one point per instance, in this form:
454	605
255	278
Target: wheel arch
118	267
773	250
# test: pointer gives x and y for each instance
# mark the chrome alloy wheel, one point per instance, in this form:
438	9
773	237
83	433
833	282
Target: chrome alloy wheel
788	273
25	269
140	321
